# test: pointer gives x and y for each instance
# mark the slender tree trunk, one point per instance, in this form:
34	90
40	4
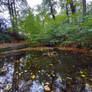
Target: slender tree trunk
84	7
67	13
51	9
72	6
52	12
15	82
12	13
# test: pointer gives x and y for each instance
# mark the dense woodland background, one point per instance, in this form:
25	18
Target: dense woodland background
53	23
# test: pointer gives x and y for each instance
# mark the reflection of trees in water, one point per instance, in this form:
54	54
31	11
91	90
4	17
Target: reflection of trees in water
15	77
26	68
48	70
6	80
36	72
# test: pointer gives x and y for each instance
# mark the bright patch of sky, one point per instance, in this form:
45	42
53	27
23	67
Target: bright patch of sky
34	3
89	0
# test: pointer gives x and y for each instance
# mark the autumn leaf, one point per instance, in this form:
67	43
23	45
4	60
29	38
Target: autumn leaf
50	64
47	88
83	75
32	76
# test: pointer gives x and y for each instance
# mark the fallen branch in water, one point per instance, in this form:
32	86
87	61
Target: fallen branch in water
50	48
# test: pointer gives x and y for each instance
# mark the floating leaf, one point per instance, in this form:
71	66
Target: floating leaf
47	88
33	76
39	71
47	83
48	75
16	72
25	70
54	75
60	78
42	83
83	75
51	64
19	74
8	88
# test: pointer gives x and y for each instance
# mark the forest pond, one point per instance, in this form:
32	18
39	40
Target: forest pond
45	71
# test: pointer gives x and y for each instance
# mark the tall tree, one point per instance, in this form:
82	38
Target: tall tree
13	7
12	13
72	6
68	5
84	7
49	4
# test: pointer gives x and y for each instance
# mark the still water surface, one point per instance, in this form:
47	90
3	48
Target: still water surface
45	71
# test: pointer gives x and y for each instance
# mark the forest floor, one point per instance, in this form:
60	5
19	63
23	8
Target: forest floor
41	48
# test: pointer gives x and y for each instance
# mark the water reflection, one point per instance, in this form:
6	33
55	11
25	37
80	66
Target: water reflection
37	87
52	71
6	77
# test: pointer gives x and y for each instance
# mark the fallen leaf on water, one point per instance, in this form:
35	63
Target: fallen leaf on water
83	75
20	74
60	78
25	70
8	88
48	75
32	76
39	71
54	75
47	83
47	88
69	78
42	83
50	64
16	72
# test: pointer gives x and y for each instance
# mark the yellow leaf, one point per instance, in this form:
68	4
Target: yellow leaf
51	64
39	71
42	83
21	72
60	78
33	76
47	83
83	75
8	88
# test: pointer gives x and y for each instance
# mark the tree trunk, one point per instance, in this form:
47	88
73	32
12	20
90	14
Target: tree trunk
12	13
52	12
51	9
67	13
72	6
84	7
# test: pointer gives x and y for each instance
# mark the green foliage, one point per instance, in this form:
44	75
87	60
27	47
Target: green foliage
58	31
5	38
41	29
